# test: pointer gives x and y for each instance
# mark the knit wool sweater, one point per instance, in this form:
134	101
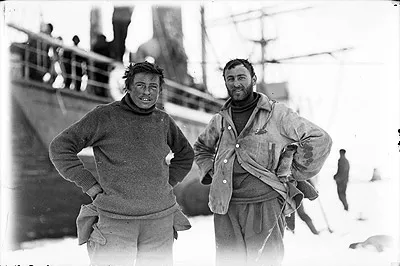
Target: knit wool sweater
130	148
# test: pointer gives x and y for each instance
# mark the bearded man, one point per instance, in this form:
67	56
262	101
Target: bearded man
238	154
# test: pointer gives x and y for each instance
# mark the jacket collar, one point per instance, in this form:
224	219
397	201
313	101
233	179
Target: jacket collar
263	103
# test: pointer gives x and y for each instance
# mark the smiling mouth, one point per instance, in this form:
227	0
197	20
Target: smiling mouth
146	100
237	91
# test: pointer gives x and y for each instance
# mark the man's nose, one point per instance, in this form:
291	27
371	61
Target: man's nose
236	83
146	90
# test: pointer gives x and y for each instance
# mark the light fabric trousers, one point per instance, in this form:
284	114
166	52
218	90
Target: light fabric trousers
140	242
240	234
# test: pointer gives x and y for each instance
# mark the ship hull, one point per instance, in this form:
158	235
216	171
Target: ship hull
51	110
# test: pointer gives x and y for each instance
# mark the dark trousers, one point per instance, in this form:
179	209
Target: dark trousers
341	190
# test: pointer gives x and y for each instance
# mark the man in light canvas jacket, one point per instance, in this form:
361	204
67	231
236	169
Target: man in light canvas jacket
238	154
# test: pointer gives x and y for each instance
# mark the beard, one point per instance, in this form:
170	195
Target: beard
242	95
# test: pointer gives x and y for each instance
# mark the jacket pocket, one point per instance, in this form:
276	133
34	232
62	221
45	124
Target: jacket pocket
266	154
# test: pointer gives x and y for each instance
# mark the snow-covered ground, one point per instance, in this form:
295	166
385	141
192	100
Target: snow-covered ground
373	210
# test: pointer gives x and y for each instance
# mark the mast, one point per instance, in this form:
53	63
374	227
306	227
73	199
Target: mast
262	13
203	47
95	25
263	44
121	18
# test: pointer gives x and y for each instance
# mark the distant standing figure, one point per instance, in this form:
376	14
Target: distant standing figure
38	57
79	64
342	178
101	74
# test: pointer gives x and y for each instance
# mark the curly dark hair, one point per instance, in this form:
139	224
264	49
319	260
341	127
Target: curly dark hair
235	62
142	67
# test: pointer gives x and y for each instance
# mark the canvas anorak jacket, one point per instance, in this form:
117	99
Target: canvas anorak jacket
271	127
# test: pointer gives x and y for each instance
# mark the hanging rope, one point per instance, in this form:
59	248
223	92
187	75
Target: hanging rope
61	102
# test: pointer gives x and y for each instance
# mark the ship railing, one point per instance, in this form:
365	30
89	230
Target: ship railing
45	59
42	58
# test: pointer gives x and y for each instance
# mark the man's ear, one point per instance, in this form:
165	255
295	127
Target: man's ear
254	80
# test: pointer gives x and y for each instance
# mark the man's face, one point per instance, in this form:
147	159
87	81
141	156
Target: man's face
239	83
145	89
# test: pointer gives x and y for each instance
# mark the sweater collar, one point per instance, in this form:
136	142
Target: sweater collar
127	103
247	106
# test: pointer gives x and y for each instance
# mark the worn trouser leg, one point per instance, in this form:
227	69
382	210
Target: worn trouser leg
155	242
113	242
241	233
121	241
230	245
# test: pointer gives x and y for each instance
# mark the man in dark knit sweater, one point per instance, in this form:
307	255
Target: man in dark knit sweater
238	154
134	214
